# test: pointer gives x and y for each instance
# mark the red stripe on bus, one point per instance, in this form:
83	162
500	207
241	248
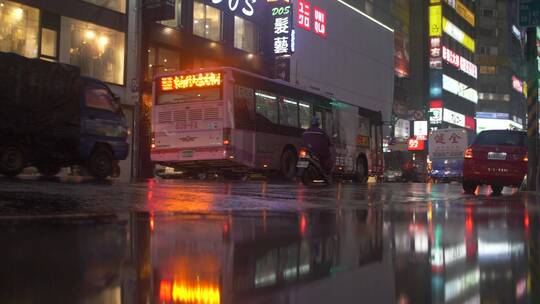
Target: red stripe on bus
175	150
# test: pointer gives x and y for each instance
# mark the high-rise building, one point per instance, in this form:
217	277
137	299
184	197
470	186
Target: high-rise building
451	46
501	90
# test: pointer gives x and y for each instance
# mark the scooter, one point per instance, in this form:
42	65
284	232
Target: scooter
309	169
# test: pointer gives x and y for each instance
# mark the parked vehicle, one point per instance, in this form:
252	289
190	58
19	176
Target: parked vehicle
310	169
446	149
399	167
497	158
52	117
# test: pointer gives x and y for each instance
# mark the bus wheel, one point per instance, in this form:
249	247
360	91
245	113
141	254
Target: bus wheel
12	160
288	164
361	171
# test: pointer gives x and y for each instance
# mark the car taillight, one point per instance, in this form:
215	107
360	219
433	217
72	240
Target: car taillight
302	154
226	136
469	153
526	158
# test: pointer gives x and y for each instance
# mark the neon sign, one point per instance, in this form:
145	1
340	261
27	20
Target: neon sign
304	14
320	21
233	5
283	32
185	292
459	62
456	33
415	144
180	82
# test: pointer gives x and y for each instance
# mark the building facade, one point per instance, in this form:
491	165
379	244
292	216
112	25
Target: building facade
500	56
453	73
91	34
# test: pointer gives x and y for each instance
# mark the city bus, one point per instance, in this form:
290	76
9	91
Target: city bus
232	122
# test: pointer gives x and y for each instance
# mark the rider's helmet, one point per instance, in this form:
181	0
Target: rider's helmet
315	121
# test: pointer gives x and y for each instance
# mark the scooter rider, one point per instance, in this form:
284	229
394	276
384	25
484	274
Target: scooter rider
319	142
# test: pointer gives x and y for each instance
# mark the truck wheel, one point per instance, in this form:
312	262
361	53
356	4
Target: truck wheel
12	160
496	189
100	164
48	170
469	187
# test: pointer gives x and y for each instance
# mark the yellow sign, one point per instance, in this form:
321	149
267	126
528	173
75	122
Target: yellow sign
435	16
456	33
464	12
435	1
180	82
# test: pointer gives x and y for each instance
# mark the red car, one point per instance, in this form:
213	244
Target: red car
497	158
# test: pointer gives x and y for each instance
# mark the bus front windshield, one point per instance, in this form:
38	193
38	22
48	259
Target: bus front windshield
205	94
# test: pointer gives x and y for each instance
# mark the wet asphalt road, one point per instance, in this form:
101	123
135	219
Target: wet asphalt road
171	241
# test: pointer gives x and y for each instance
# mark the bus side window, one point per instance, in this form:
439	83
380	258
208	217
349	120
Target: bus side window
305	114
244	108
288	112
267	106
329	123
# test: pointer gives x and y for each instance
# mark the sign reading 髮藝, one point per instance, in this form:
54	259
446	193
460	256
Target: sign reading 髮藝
283	30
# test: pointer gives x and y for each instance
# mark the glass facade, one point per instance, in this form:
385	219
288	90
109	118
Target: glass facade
19	29
115	5
48	43
177	21
206	21
97	50
246	36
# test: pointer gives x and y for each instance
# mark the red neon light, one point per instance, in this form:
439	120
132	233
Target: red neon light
416	144
304	14
171	83
320	21
165	291
436	104
470	123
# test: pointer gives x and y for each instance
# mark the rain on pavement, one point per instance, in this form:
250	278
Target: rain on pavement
162	241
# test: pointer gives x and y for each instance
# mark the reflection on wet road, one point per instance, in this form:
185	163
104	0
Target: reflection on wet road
426	253
38	197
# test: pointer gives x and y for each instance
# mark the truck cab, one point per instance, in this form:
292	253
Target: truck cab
103	128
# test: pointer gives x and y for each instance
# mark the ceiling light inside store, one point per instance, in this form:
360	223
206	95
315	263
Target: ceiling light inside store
90	35
103	41
18	13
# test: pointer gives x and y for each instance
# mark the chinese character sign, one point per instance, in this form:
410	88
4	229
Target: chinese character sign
181	82
304	14
320	21
283	31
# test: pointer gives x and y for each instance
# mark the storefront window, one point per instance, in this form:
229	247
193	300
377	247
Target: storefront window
115	5
97	50
19	28
206	21
245	35
162	60
48	43
177	21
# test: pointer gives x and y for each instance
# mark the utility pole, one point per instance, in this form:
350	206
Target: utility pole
532	108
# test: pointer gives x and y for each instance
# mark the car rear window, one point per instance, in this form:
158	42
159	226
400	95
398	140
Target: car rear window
501	138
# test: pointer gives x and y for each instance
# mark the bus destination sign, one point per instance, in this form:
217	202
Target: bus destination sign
192	81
